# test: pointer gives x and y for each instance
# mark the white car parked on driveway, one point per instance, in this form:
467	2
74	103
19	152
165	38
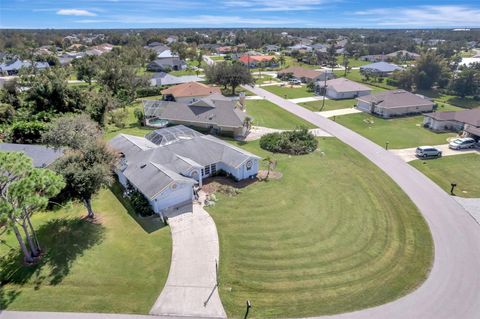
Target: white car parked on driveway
428	151
462	143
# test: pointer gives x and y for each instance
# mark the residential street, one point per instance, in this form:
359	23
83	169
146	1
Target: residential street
452	289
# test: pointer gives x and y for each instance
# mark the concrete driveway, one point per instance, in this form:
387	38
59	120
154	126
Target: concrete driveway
452	290
408	154
191	287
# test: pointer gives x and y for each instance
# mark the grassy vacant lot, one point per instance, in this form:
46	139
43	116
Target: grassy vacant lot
267	114
355	75
329	105
289	92
352	62
110	266
461	169
264	78
333	235
399	132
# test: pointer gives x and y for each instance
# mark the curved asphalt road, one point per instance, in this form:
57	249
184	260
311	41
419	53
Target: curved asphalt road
452	289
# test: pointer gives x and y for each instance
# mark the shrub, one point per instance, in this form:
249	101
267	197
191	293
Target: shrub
7	113
26	132
118	117
148	91
296	142
139	115
140	204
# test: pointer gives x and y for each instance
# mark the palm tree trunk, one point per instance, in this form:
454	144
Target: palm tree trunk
26	253
88	205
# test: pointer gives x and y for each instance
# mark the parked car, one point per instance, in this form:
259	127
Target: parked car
428	151
295	81
462	143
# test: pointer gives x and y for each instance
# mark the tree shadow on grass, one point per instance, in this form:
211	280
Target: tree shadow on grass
149	224
62	240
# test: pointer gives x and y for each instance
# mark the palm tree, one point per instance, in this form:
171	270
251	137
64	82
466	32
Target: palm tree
271	163
281	59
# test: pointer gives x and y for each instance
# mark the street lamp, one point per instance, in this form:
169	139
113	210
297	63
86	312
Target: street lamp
249	305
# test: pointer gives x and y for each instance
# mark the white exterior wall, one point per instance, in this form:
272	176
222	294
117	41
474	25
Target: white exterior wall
404	110
442	125
331	93
364	106
172	197
240	172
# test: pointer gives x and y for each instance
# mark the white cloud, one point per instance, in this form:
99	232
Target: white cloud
277	5
201	20
422	16
75	12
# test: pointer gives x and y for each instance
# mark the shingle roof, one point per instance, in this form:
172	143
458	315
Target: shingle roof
191	89
215	109
152	169
471	117
163	78
300	72
396	98
41	156
381	67
345	85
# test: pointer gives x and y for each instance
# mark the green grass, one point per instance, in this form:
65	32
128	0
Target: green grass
355	75
185	72
267	114
264	78
289	92
315	106
402	132
217	58
132	127
335	234
352	62
110	266
464	170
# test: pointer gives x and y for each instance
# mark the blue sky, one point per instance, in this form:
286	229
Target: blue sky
85	14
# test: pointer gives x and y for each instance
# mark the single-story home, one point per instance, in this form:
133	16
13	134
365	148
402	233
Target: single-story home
166	164
216	114
271	48
256	61
163	79
380	68
41	156
403	55
166	64
343	88
13	67
189	92
394	103
467	121
305	75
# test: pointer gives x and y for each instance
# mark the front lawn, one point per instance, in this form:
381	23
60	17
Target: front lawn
464	170
267	114
113	265
316	106
402	132
288	92
334	234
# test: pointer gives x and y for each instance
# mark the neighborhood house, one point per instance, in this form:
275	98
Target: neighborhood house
166	164
305	75
163	79
215	113
257	61
380	68
467	121
394	103
343	88
189	92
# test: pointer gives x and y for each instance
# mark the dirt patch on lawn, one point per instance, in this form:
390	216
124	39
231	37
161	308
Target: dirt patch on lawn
262	174
225	185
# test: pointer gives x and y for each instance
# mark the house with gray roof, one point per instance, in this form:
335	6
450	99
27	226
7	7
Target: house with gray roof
394	103
13	67
41	156
380	68
166	64
166	164
466	121
342	88
164	79
215	113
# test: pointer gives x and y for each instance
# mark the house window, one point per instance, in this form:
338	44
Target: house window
203	173
213	168
207	170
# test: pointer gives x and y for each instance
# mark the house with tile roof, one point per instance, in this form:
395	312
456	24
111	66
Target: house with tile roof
189	92
257	61
394	103
168	163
